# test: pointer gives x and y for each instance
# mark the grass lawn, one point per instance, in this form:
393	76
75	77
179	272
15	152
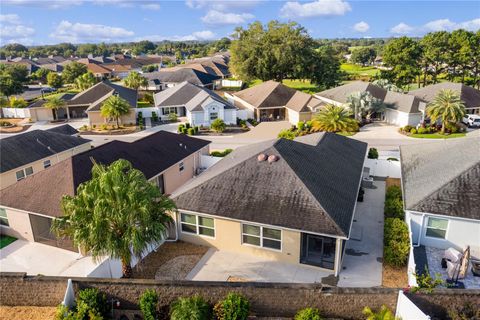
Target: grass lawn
437	135
358	70
297	84
6	240
144	104
58	94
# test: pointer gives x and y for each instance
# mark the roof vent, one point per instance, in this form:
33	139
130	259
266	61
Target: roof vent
272	158
262	157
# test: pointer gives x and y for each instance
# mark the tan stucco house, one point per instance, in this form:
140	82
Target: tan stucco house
293	201
28	207
28	153
87	104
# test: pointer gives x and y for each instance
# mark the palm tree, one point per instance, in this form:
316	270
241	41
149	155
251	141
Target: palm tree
135	80
364	103
85	81
115	107
446	106
334	119
118	213
383	314
55	103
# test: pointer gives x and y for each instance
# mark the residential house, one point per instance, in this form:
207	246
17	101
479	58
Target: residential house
33	151
99	71
169	79
117	70
200	105
469	95
64	129
401	109
28	207
87	104
293	201
272	101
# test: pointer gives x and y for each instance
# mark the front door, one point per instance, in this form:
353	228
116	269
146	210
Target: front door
318	251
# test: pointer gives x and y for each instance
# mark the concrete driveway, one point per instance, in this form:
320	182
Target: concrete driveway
231	266
362	264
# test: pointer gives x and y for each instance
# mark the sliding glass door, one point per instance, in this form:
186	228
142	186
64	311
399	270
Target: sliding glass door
318	251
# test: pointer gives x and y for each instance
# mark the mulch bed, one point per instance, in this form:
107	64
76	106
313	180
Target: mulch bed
27	313
394	277
166	262
110	132
228	131
15	129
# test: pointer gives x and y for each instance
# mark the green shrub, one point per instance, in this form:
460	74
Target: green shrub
187	125
221	153
148	97
301	125
172	117
287	134
392	159
384	313
18	102
190	131
426	283
372	153
180	128
234	307
308	314
413	131
190	308
423	130
4	123
196	129
91	299
149	304
253	122
154	116
218	125
63	313
407	128
396	242
394	192
104	127
309	124
394	208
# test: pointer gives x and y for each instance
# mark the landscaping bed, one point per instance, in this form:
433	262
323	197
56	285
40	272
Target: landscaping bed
12	125
394	277
229	130
108	130
432	132
160	260
27	313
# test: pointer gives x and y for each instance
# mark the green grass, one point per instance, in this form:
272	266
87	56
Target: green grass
143	104
297	84
5	241
359	70
437	135
58	94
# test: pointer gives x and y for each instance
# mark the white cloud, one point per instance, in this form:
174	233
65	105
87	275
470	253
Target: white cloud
51	4
222	5
82	32
361	26
150	6
195	36
402	29
218	18
472	25
10	18
315	9
439	25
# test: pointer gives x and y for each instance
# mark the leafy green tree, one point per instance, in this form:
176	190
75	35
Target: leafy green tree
383	314
135	80
190	308
387	85
54	80
218	125
447	107
117	213
12	79
363	104
42	73
459	53
85	81
435	47
143	46
363	56
15	102
323	68
334	119
54	104
115	107
73	70
403	56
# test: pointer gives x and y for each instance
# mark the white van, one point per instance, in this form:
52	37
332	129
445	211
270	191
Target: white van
472	120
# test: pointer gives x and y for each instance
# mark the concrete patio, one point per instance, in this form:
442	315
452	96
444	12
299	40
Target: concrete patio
230	266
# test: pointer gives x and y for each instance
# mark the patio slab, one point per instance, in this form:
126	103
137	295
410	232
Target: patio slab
226	265
362	264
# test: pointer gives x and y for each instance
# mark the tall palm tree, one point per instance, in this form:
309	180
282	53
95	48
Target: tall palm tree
334	119
447	106
135	80
55	103
85	81
118	213
115	107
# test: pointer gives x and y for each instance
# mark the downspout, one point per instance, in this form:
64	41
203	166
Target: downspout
420	232
176	230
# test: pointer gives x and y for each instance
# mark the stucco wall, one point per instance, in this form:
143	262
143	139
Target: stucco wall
41	114
8	178
20	226
94	117
174	179
402	119
460	232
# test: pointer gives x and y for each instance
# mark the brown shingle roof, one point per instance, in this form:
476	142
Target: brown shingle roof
267	95
470	96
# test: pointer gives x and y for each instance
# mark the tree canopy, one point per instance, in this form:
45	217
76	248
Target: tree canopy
135	80
54	80
365	55
115	107
72	71
447	107
403	56
12	78
85	81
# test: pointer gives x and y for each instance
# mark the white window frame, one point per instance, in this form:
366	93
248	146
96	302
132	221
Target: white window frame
216	117
167	110
46	164
4	217
24	171
261	237
446	229
197	225
181	166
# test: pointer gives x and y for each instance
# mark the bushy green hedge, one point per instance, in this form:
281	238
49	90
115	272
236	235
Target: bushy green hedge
394	203
190	308
149	304
396	246
308	314
287	134
221	153
90	304
234	307
372	153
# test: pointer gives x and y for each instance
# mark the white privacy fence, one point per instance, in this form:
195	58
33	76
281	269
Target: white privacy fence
16	113
407	310
208	161
147	112
231	83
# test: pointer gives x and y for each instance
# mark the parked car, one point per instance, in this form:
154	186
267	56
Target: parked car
48	89
472	120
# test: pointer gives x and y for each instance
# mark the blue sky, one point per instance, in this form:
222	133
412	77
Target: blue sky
91	21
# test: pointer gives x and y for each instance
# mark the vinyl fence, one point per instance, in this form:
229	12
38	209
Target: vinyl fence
406	309
16	113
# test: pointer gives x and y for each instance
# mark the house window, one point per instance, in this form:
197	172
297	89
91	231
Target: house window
191	223
46	164
168	110
213	115
262	236
181	167
21	174
437	228
3	217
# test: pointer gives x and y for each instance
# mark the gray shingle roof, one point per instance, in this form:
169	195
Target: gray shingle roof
25	148
341	93
184	74
312	187
64	129
100	92
442	177
470	96
402	102
189	95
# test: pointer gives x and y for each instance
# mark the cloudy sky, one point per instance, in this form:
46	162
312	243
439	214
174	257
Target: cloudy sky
85	21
